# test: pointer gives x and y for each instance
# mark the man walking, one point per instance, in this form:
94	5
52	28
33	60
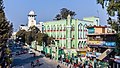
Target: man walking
32	64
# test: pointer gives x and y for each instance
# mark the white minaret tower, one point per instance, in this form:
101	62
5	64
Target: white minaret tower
31	19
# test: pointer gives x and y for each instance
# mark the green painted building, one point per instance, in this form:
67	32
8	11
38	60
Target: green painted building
71	33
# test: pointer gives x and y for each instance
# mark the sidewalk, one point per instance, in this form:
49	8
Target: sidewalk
54	62
49	60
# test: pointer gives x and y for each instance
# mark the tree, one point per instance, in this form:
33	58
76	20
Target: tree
47	39
5	33
113	10
39	38
33	34
28	37
21	36
64	12
34	30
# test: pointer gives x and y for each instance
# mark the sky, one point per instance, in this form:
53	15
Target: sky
17	10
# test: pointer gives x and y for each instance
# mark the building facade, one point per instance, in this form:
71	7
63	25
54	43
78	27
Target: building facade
102	42
71	33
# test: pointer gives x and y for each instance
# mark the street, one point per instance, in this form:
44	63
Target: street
26	59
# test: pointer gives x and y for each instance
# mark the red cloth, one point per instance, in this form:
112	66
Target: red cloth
75	65
37	60
67	60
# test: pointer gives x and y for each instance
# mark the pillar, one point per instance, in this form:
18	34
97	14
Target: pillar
76	34
56	45
117	65
68	32
113	65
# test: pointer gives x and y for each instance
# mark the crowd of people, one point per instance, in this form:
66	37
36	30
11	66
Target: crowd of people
88	62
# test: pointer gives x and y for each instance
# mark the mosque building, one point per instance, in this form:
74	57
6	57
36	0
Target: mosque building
71	33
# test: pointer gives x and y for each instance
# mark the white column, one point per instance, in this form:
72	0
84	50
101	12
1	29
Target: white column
113	65
56	31
62	34
117	65
50	30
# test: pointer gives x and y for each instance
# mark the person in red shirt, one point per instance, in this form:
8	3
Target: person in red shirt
75	65
37	62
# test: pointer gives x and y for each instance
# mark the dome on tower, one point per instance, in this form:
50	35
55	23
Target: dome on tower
31	12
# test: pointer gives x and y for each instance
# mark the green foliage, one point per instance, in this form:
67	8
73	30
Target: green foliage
5	33
39	38
34	30
33	34
28	37
64	12
21	36
7	51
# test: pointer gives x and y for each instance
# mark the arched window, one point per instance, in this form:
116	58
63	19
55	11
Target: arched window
64	28
44	29
61	36
51	28
73	28
57	27
60	27
54	28
54	35
85	31
80	31
64	36
48	28
57	36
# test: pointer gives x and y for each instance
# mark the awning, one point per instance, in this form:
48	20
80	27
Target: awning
82	49
117	60
96	46
104	54
70	50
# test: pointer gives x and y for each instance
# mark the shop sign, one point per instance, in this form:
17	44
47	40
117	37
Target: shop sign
98	54
117	57
91	30
110	44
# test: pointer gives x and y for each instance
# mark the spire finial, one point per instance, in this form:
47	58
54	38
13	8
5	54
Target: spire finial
68	17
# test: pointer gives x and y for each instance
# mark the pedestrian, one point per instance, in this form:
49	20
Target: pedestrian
75	65
33	54
58	66
80	66
37	62
90	65
32	64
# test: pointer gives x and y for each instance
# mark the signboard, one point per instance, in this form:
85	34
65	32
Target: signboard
110	44
96	42
91	30
98	54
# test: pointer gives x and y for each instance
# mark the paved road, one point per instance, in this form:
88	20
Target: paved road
26	59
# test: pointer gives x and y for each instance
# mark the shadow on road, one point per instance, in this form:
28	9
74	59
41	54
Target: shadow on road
18	62
39	64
